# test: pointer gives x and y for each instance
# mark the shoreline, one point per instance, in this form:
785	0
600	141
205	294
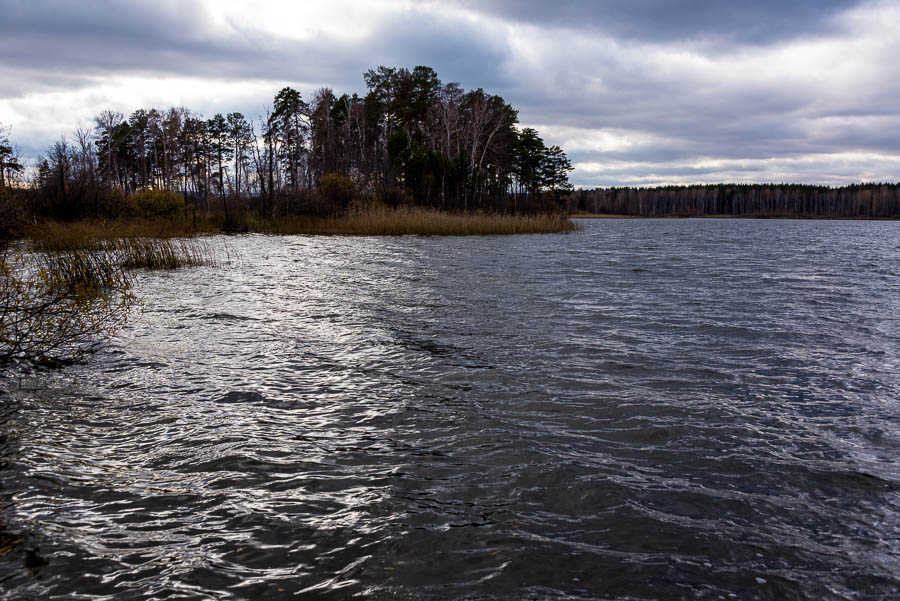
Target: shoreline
384	222
778	217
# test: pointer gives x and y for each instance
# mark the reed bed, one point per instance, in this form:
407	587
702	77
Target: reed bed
54	236
167	244
424	222
133	253
130	244
160	253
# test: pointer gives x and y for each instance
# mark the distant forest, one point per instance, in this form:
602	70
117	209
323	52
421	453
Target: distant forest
760	200
409	140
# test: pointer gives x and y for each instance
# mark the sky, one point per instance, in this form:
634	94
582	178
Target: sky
637	92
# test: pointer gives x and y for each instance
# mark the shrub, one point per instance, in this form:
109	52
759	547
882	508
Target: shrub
337	191
57	307
13	215
301	202
158	203
114	203
393	198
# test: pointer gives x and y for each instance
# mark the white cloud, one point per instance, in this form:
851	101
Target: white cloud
45	116
827	169
345	20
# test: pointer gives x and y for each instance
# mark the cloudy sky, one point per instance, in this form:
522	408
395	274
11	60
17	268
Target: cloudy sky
638	92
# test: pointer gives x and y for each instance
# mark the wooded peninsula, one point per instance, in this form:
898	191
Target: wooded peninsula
410	155
410	141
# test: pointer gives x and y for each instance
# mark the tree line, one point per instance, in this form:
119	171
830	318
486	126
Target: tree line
409	139
775	200
10	163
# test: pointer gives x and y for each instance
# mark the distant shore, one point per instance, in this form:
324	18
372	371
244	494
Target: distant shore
754	201
773	216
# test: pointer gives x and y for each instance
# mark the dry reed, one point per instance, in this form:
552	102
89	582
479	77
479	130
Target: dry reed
423	222
54	236
131	245
159	253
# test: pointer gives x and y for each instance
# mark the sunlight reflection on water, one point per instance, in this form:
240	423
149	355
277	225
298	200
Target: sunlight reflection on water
651	409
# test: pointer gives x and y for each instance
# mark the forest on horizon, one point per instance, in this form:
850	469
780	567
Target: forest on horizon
867	200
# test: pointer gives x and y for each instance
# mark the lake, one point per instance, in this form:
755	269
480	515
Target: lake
649	409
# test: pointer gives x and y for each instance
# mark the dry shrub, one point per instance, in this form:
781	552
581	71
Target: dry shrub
69	287
57	307
158	203
13	214
301	202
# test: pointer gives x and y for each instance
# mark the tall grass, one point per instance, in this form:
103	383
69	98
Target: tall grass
398	222
160	253
146	244
58	236
87	235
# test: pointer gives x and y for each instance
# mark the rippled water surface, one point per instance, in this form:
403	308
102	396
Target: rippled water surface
652	409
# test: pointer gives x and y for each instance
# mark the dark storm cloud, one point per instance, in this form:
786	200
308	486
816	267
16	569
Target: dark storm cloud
100	35
726	110
62	41
741	21
103	37
469	53
49	47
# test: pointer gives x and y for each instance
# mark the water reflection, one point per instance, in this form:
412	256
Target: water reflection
655	409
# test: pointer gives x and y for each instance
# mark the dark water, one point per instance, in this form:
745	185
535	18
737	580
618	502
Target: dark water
648	410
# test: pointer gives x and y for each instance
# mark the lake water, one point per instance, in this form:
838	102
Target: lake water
650	409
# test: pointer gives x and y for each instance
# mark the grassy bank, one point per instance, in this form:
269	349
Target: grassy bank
602	216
